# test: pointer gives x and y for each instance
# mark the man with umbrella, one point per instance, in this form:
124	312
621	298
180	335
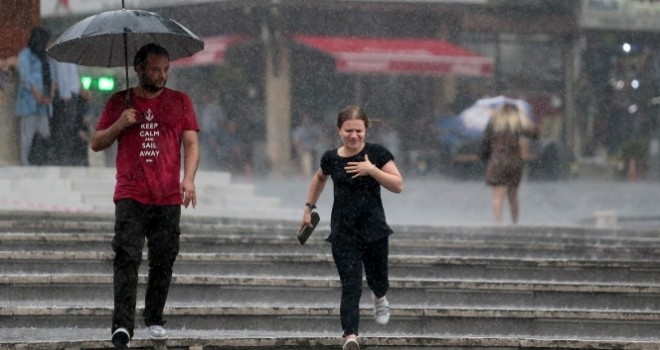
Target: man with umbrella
150	124
148	195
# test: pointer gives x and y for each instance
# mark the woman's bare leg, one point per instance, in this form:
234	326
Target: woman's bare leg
498	202
514	205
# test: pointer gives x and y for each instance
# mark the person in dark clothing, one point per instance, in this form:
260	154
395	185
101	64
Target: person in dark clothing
149	193
505	149
359	232
34	98
69	131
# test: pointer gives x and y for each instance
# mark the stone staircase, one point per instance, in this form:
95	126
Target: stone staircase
90	189
244	283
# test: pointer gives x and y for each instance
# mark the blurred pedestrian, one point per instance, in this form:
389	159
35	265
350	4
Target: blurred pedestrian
359	232
304	138
34	97
505	149
211	118
148	194
68	128
387	136
234	151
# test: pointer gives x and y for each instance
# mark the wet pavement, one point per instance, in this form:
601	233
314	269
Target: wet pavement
435	200
426	200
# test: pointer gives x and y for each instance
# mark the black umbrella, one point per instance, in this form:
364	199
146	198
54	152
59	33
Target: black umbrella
109	38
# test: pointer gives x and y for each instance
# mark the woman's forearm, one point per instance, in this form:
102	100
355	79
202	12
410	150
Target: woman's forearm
389	177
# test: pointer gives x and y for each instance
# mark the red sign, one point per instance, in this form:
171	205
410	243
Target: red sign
213	53
412	56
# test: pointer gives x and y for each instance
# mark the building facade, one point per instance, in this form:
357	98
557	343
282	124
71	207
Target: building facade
268	79
17	18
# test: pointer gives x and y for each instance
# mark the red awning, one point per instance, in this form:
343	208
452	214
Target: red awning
412	56
213	53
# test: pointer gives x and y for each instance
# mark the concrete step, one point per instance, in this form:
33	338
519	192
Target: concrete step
226	206
53	221
222	238
245	279
232	201
45	172
98	187
220	190
99	173
629	271
271	242
91	189
42	186
543	235
90	290
430	321
97	338
486	234
47	195
513	235
105	186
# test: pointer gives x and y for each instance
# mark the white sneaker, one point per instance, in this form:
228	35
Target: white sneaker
121	339
157	332
381	309
351	344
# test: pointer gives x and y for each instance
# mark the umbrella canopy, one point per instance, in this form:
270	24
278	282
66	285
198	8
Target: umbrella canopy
98	40
476	117
109	38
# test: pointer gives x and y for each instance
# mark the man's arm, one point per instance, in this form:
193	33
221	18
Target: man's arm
190	163
103	139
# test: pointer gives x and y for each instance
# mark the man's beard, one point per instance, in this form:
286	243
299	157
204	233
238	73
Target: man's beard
151	87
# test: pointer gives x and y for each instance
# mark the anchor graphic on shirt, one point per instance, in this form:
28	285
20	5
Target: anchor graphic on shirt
149	132
148	115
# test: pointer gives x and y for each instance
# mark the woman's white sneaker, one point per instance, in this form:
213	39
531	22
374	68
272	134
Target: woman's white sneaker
381	309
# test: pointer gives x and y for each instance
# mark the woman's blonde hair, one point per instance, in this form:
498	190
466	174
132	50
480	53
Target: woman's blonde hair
510	117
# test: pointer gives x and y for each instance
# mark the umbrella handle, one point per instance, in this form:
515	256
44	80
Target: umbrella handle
128	95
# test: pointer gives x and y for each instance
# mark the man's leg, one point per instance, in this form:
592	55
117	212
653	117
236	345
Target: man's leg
127	245
163	243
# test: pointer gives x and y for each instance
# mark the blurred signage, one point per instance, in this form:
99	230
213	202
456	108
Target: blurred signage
214	51
396	55
57	8
620	14
427	1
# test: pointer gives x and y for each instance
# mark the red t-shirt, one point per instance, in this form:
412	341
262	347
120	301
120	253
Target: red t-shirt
149	152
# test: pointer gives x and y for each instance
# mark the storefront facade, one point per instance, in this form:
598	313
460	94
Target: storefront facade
619	84
16	20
